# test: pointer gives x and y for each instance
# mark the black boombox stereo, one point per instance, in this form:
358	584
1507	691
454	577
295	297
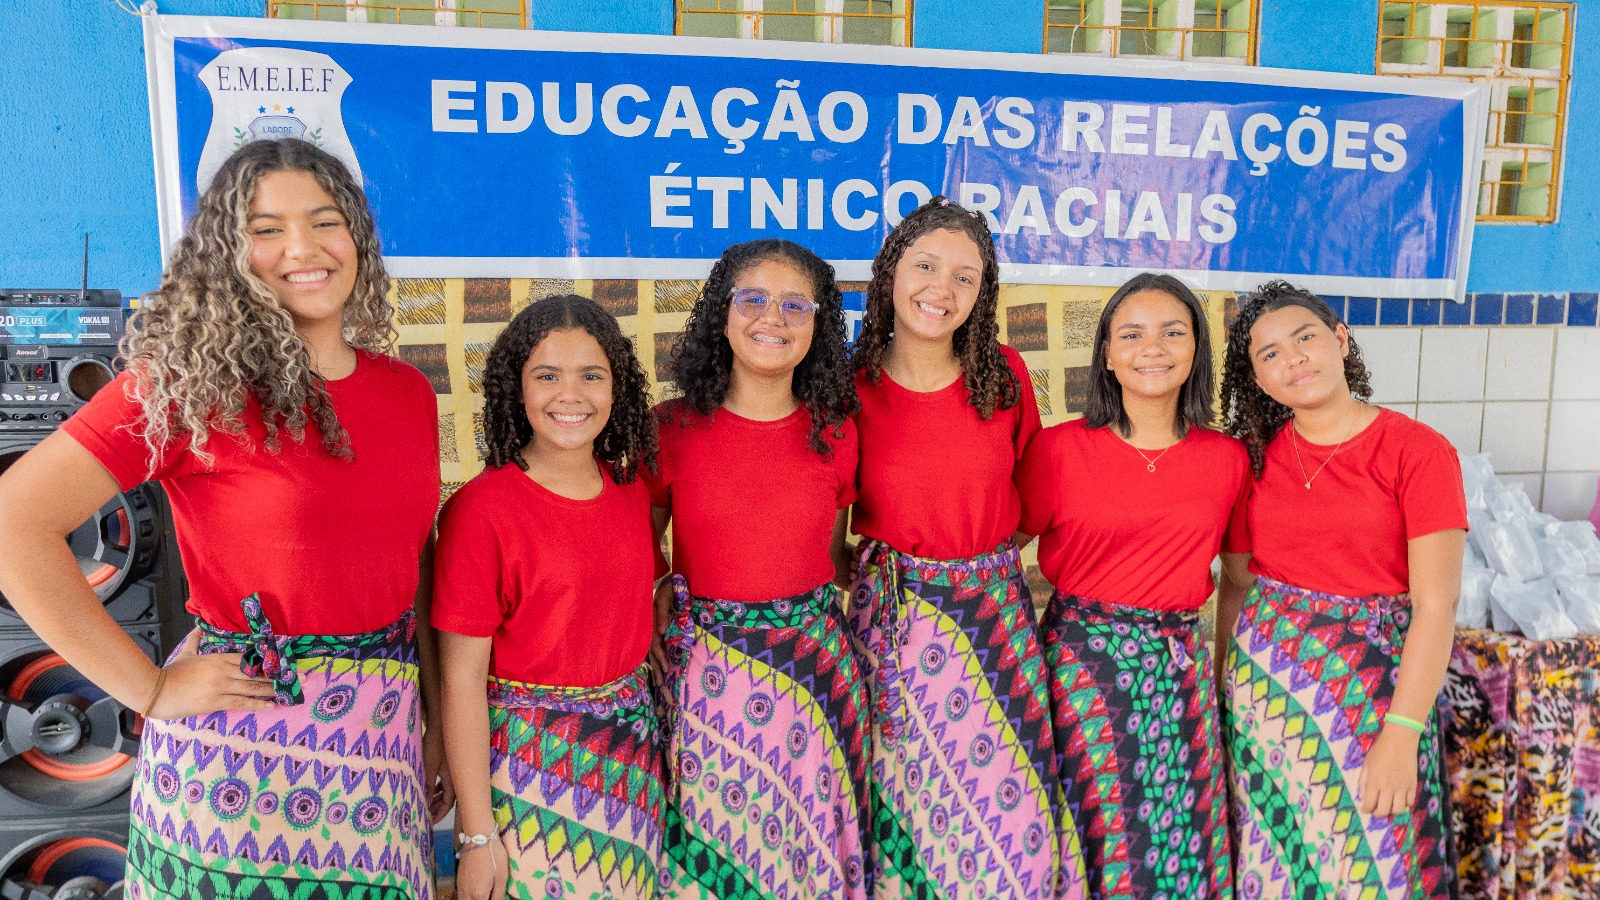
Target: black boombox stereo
66	748
58	348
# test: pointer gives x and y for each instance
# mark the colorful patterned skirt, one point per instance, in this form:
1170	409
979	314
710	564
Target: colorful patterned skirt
768	793
575	776
1141	751
1310	677
964	793
319	798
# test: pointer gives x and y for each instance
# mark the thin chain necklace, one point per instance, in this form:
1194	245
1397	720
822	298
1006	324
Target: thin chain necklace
1294	441
1150	463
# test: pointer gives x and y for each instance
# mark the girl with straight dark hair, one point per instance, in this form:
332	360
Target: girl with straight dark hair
1131	504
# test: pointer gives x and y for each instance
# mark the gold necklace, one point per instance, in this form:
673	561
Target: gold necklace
1150	464
1294	441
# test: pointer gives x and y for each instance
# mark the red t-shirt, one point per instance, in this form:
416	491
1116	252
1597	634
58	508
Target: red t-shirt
1111	530
1396	480
753	505
332	546
563	586
911	439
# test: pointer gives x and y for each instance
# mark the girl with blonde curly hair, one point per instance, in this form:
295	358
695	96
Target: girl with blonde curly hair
303	468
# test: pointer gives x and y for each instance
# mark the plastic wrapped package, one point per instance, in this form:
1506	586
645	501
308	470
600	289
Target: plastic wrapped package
1509	548
1581	537
1560	558
1477	476
1473	609
1511	504
1580	598
1533	606
1472	557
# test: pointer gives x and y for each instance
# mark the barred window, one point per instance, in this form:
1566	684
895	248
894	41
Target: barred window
478	13
881	22
1202	30
1523	51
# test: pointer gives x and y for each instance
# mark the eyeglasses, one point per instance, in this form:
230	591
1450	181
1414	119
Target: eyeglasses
794	309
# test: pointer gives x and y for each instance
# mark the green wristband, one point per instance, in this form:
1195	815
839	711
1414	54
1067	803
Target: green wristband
1407	721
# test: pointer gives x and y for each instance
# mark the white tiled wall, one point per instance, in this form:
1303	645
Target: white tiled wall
1529	396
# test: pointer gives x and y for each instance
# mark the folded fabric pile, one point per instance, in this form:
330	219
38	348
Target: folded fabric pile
1525	571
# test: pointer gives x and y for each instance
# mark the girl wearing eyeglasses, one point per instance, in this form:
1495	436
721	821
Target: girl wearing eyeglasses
766	747
963	785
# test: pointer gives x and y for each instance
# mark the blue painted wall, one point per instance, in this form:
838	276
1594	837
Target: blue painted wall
75	128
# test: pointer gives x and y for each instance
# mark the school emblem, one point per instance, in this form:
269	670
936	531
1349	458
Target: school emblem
271	93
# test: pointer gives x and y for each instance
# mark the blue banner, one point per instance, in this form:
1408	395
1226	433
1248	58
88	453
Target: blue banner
492	153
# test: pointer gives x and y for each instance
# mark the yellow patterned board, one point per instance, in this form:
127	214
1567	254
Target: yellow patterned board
448	324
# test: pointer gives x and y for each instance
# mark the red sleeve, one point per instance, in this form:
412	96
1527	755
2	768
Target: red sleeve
1034	487
1237	538
467	568
111	427
1028	423
846	454
1432	497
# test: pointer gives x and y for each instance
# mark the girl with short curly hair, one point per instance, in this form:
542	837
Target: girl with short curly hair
937	556
303	468
758	460
1337	612
1131	504
542	590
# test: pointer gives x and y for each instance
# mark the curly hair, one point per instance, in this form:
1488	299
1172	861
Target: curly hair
1247	412
629	436
701	362
1104	404
213	334
989	381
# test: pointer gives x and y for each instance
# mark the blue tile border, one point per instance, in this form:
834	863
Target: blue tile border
1550	309
1519	309
1362	311
1394	312
1579	308
1487	309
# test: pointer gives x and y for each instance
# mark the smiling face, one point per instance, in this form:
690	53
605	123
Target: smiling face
936	285
566	390
764	346
1298	359
1151	346
300	246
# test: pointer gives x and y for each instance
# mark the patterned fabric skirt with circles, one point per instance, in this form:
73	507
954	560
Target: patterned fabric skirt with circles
1140	744
964	793
575	777
1310	677
319	798
768	787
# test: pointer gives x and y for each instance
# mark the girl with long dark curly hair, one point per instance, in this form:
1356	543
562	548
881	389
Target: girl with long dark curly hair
1338	615
303	468
758	463
1131	504
542	597
937	556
